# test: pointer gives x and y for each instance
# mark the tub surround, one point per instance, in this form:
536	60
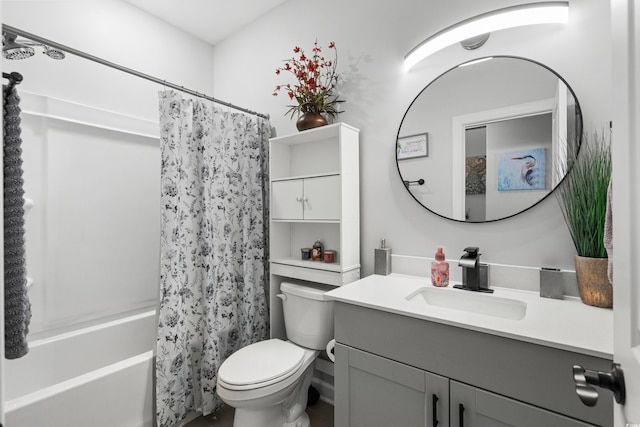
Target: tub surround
563	324
110	362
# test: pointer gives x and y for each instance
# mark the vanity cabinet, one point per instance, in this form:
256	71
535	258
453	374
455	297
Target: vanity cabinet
388	367
375	391
314	195
471	406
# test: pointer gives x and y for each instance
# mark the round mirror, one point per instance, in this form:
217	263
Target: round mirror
488	139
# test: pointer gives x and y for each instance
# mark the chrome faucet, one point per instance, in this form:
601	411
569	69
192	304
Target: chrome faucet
474	274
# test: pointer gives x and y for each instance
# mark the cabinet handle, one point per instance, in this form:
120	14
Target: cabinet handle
461	414
434	412
301	199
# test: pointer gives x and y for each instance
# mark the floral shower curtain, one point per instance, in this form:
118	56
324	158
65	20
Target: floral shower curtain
213	248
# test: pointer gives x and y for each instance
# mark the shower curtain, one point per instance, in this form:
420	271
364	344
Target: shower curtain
214	207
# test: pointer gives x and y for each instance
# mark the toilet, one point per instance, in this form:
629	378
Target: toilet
267	382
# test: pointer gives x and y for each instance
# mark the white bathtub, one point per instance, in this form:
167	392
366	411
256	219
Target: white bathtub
100	376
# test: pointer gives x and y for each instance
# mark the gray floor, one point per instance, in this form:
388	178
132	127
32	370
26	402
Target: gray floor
320	414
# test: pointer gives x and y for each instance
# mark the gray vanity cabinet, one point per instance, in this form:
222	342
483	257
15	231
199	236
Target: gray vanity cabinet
388	367
374	391
480	408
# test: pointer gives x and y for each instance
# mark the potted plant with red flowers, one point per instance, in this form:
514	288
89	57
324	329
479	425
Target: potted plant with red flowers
314	89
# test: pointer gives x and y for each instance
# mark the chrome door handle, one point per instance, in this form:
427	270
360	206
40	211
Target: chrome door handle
586	378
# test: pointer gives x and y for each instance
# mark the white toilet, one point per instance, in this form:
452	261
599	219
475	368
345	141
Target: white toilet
267	382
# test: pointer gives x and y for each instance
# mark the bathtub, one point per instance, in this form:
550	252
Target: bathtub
99	376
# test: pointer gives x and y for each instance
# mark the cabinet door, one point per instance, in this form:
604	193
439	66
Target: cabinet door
372	391
322	198
472	407
286	199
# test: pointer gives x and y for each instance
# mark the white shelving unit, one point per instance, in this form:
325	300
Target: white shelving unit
314	183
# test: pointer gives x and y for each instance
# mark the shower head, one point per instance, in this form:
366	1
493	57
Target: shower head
52	52
13	50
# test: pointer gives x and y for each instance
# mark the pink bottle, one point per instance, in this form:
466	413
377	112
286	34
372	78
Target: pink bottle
440	270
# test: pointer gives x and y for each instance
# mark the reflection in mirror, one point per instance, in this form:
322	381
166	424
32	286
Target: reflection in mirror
497	131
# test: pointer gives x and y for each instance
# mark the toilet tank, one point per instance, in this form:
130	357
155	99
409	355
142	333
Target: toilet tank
308	314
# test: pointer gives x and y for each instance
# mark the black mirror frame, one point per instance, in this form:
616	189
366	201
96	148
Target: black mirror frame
579	129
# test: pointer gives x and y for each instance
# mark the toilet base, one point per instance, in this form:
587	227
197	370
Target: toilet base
289	411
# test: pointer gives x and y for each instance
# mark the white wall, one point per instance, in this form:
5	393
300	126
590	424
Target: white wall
372	39
93	235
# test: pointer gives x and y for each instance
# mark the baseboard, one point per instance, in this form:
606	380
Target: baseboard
325	388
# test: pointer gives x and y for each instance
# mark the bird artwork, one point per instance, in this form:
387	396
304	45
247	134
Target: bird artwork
524	170
527	172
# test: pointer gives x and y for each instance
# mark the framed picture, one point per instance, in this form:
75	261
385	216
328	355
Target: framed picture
412	146
522	170
475	175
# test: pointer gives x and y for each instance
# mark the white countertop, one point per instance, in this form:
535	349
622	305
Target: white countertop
566	324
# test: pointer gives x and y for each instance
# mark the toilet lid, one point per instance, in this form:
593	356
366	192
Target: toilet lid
262	362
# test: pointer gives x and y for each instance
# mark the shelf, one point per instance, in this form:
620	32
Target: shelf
316	265
307	221
316	175
312	135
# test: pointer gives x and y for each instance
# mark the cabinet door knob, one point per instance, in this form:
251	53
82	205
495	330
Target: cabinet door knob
586	378
301	199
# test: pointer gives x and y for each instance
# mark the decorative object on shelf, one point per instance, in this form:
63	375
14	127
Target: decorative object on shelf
329	256
310	120
317	251
315	88
583	200
305	253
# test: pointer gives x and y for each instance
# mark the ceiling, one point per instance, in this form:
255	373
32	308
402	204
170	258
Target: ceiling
209	20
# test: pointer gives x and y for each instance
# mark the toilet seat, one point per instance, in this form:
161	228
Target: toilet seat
260	364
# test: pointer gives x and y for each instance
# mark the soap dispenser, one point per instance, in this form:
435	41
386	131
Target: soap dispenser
440	270
382	260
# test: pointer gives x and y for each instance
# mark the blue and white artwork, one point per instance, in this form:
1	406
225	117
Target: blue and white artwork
522	170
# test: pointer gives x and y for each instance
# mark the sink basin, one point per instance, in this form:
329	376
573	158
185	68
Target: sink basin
471	302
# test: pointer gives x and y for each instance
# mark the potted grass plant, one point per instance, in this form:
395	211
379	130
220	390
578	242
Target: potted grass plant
583	200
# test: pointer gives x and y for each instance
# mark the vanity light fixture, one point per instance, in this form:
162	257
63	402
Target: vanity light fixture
553	12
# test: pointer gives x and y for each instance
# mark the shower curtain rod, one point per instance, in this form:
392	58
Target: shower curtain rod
67	49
